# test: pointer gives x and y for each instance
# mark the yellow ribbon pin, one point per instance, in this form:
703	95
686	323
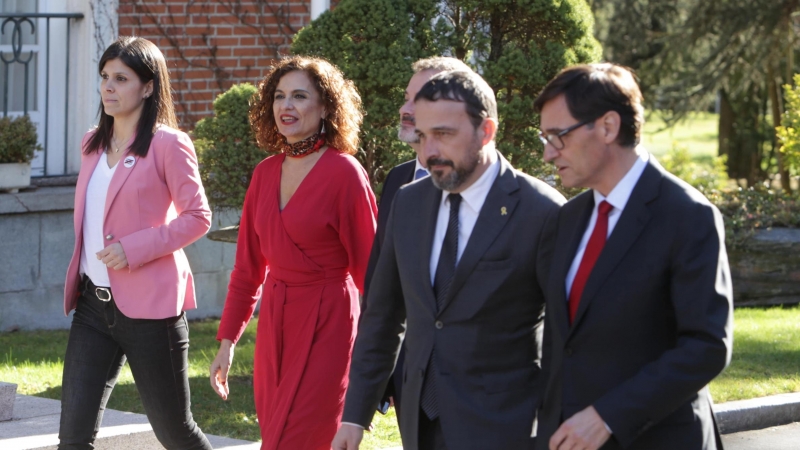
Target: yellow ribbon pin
503	211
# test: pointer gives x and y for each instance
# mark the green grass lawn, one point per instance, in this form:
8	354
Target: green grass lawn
766	361
697	132
766	355
34	361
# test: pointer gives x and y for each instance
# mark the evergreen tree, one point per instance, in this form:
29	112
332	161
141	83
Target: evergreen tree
374	42
687	52
516	45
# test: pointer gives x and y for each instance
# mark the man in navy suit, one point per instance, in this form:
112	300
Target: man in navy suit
639	303
402	174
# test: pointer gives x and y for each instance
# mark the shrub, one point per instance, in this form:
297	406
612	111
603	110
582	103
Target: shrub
517	46
789	131
19	140
746	210
706	178
374	43
227	149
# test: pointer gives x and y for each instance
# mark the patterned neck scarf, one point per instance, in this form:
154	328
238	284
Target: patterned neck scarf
305	147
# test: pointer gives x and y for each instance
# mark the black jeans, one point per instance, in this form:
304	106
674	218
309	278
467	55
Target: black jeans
100	340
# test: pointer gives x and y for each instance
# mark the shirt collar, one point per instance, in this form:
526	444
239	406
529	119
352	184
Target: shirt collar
618	197
418	165
475	195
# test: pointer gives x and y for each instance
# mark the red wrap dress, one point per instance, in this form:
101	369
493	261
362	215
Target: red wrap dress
310	260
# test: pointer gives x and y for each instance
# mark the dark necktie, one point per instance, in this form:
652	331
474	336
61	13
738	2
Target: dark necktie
593	248
420	173
447	258
445	270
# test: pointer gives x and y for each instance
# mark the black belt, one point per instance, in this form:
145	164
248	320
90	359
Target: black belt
90	290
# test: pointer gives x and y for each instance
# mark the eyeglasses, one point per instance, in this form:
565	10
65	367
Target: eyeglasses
555	139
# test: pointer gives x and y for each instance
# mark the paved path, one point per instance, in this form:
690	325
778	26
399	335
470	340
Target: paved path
35	426
785	437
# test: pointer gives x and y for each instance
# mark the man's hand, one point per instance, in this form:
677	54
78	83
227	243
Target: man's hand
348	437
220	367
583	431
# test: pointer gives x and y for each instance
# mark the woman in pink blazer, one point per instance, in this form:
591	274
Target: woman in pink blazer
138	202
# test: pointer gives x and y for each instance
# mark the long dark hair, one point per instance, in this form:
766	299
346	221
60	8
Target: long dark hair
147	61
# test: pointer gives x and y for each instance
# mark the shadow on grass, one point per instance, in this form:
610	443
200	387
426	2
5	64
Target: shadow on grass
235	418
757	358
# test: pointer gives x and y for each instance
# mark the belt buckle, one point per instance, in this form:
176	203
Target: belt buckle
105	293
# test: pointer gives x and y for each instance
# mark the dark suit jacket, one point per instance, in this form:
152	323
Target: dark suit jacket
486	337
395	179
654	324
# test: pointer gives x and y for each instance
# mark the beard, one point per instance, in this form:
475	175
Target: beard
406	134
456	177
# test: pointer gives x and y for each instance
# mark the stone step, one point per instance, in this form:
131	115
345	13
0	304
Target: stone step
8	393
35	426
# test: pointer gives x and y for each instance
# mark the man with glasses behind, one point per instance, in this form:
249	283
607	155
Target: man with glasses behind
639	307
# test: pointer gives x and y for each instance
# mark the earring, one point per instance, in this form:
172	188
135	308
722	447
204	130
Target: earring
322	131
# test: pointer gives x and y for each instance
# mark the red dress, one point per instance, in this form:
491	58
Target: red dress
311	259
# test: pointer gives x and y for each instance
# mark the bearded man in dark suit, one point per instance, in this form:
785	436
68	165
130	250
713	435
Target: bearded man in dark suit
400	175
461	267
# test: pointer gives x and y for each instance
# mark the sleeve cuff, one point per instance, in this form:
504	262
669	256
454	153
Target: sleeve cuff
359	426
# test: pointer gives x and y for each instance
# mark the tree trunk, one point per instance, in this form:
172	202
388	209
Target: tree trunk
725	124
726	136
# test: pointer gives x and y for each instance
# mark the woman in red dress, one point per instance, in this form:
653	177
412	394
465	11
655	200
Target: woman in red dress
304	240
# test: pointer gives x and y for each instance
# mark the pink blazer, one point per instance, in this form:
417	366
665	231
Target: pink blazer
155	206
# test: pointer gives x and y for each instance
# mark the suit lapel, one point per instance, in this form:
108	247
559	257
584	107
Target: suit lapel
574	221
495	213
118	179
430	209
409	176
633	220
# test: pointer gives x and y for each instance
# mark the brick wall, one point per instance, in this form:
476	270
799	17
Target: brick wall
212	44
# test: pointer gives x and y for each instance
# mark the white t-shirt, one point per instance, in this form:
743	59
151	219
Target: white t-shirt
93	218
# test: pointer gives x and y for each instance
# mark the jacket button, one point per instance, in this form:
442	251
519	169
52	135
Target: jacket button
140	265
110	237
439	325
568	351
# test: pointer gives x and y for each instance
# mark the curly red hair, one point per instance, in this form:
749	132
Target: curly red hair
338	94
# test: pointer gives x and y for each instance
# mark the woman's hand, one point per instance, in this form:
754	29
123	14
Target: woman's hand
113	256
220	367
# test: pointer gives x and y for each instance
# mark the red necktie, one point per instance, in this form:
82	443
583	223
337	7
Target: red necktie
596	242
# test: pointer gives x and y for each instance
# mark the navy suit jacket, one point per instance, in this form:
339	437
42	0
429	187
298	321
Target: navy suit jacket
395	179
654	323
485	335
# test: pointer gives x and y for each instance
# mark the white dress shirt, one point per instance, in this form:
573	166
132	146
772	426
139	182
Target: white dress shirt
618	198
472	199
93	218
